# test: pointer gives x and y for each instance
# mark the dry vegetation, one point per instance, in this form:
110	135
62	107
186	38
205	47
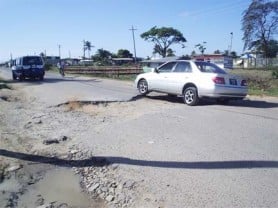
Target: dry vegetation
260	82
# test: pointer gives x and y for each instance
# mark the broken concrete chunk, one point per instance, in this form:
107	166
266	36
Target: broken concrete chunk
14	168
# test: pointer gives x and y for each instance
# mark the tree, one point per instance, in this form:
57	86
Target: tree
163	38
170	52
217	52
123	53
103	57
273	48
233	54
42	54
201	47
87	46
259	24
193	53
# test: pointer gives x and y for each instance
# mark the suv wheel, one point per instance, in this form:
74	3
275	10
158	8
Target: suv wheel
21	77
14	76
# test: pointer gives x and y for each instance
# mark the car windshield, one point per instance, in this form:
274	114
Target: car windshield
32	60
208	67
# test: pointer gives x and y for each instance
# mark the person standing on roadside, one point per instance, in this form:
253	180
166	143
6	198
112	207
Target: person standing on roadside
61	67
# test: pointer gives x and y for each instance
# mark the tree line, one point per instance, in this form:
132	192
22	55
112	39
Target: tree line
259	25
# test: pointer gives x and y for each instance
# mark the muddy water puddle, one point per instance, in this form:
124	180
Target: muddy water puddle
59	186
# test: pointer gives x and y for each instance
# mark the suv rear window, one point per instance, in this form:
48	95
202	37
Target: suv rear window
32	60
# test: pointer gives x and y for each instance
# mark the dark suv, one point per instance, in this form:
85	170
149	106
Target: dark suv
28	67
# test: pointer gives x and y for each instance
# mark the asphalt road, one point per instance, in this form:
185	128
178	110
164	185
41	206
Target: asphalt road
204	156
56	89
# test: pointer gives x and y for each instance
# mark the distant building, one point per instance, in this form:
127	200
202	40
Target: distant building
121	61
71	61
220	60
153	63
52	60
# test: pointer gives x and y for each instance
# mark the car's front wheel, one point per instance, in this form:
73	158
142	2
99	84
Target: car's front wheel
190	96
143	87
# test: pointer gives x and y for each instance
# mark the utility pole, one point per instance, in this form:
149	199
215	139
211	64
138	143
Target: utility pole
84	49
231	45
134	48
59	48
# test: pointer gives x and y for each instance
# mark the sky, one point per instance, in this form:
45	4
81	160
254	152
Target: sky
29	27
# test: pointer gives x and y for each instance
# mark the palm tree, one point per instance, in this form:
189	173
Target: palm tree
87	46
201	47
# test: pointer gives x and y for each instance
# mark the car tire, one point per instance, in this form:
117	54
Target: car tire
41	78
21	77
190	96
143	87
14	76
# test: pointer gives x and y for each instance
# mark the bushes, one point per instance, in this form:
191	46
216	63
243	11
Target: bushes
47	67
260	81
275	73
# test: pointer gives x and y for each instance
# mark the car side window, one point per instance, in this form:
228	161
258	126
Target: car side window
183	67
167	67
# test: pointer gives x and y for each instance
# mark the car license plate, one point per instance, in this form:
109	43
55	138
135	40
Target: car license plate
233	82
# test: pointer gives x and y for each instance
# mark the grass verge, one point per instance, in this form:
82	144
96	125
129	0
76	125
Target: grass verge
260	82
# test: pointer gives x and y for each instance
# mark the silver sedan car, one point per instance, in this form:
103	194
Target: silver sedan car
193	80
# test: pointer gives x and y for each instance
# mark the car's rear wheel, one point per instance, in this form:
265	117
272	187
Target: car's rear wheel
190	96
143	87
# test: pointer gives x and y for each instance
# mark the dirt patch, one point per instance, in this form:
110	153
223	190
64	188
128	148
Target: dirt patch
38	141
116	109
26	162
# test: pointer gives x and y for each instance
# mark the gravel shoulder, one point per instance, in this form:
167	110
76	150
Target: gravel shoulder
37	141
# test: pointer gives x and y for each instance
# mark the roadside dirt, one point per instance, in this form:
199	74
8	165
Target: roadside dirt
41	160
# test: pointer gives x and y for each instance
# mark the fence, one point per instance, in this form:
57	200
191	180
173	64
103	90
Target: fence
255	62
103	70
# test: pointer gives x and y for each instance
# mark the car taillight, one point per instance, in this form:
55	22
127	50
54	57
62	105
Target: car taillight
218	80
243	82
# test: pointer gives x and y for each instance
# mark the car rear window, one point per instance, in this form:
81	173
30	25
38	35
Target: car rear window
32	60
208	67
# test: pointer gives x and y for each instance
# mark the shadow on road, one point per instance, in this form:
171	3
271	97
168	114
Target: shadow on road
207	102
51	80
103	161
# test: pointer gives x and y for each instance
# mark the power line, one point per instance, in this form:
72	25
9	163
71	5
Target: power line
215	10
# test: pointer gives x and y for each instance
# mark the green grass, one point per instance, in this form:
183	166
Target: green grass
260	82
